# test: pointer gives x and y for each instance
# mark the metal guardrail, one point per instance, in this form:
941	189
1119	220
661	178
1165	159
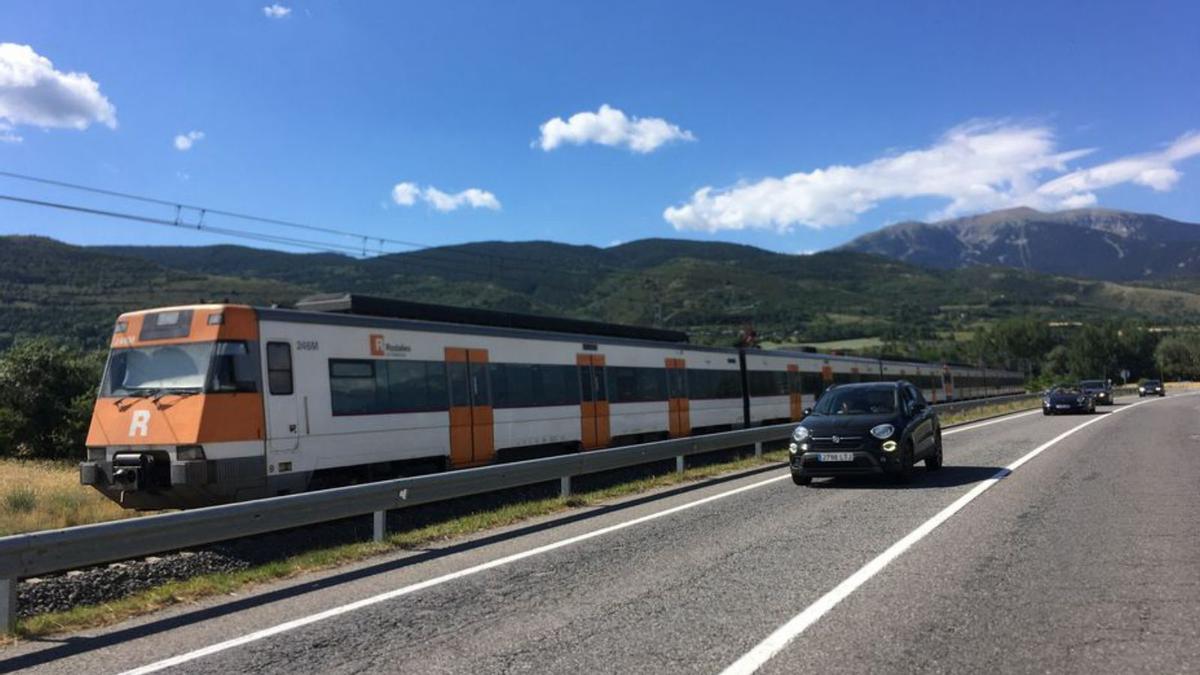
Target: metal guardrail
35	553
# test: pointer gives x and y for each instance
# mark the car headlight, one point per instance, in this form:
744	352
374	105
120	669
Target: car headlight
883	431
800	434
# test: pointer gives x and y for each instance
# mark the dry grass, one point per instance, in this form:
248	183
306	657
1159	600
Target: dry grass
40	495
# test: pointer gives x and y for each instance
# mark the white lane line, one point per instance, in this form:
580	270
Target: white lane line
383	597
776	641
998	420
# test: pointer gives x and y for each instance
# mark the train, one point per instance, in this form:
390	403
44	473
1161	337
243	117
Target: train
214	403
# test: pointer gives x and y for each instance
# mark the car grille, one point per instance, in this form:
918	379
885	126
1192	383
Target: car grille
846	443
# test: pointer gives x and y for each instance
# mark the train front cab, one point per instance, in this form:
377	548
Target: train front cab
178	420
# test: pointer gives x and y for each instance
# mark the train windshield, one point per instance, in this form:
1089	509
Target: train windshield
195	366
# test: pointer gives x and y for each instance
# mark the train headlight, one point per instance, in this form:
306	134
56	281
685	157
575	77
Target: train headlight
189	452
883	431
800	434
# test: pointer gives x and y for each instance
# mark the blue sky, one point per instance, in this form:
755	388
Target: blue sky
801	124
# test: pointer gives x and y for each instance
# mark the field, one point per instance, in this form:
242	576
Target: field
47	495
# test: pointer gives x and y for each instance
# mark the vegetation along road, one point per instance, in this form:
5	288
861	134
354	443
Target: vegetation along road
1046	544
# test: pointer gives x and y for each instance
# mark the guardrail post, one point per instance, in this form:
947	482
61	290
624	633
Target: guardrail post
380	525
679	464
564	487
8	605
758	449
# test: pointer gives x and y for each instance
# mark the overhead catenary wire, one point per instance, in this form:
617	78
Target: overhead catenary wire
178	206
428	260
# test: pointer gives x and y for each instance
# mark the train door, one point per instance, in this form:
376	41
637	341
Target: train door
593	402
947	383
796	406
826	377
282	413
472	439
678	407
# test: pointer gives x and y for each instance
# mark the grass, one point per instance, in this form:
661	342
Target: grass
210	585
42	495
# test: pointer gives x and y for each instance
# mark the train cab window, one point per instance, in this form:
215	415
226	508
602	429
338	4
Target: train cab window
279	368
234	368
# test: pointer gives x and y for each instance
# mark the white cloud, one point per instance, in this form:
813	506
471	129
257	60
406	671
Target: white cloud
276	11
1154	170
33	93
978	166
407	194
609	126
184	142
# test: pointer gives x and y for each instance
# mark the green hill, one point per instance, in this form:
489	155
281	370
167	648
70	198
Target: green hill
708	289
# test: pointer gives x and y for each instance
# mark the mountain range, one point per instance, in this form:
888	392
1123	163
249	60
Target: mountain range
1089	243
709	289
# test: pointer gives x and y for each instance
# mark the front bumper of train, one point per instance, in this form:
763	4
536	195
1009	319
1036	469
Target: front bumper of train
152	479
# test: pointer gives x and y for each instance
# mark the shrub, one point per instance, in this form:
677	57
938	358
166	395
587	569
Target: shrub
46	396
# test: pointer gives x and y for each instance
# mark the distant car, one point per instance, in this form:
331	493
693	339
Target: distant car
1100	390
1067	399
1151	388
866	428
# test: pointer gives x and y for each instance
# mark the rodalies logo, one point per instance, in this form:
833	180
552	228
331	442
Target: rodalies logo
381	347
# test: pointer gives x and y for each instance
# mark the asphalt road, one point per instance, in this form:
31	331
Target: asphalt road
1085	558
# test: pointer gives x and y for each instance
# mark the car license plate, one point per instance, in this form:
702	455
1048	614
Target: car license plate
835	456
1062	406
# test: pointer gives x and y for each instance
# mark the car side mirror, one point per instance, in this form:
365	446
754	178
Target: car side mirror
806	412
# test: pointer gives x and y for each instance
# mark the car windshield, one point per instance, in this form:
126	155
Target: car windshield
1092	384
1151	383
1066	390
857	401
195	366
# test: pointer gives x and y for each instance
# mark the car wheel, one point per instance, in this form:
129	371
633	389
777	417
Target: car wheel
801	480
905	472
1045	412
934	461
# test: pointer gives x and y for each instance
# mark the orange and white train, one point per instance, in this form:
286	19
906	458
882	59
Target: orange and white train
213	403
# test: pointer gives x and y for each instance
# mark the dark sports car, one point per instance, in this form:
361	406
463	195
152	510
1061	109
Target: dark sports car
867	428
1061	400
1151	388
1099	390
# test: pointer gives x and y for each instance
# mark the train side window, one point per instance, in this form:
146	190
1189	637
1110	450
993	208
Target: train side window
279	368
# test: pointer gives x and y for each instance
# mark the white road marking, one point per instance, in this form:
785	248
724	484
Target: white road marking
1005	418
778	640
383	597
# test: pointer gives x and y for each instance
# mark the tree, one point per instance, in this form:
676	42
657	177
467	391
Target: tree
46	396
1178	357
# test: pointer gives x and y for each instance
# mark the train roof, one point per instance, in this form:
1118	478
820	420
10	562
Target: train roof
375	306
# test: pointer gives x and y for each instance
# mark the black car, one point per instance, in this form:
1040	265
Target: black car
1100	390
1151	388
867	428
1067	399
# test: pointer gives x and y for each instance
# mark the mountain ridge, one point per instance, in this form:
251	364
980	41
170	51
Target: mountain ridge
1095	243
